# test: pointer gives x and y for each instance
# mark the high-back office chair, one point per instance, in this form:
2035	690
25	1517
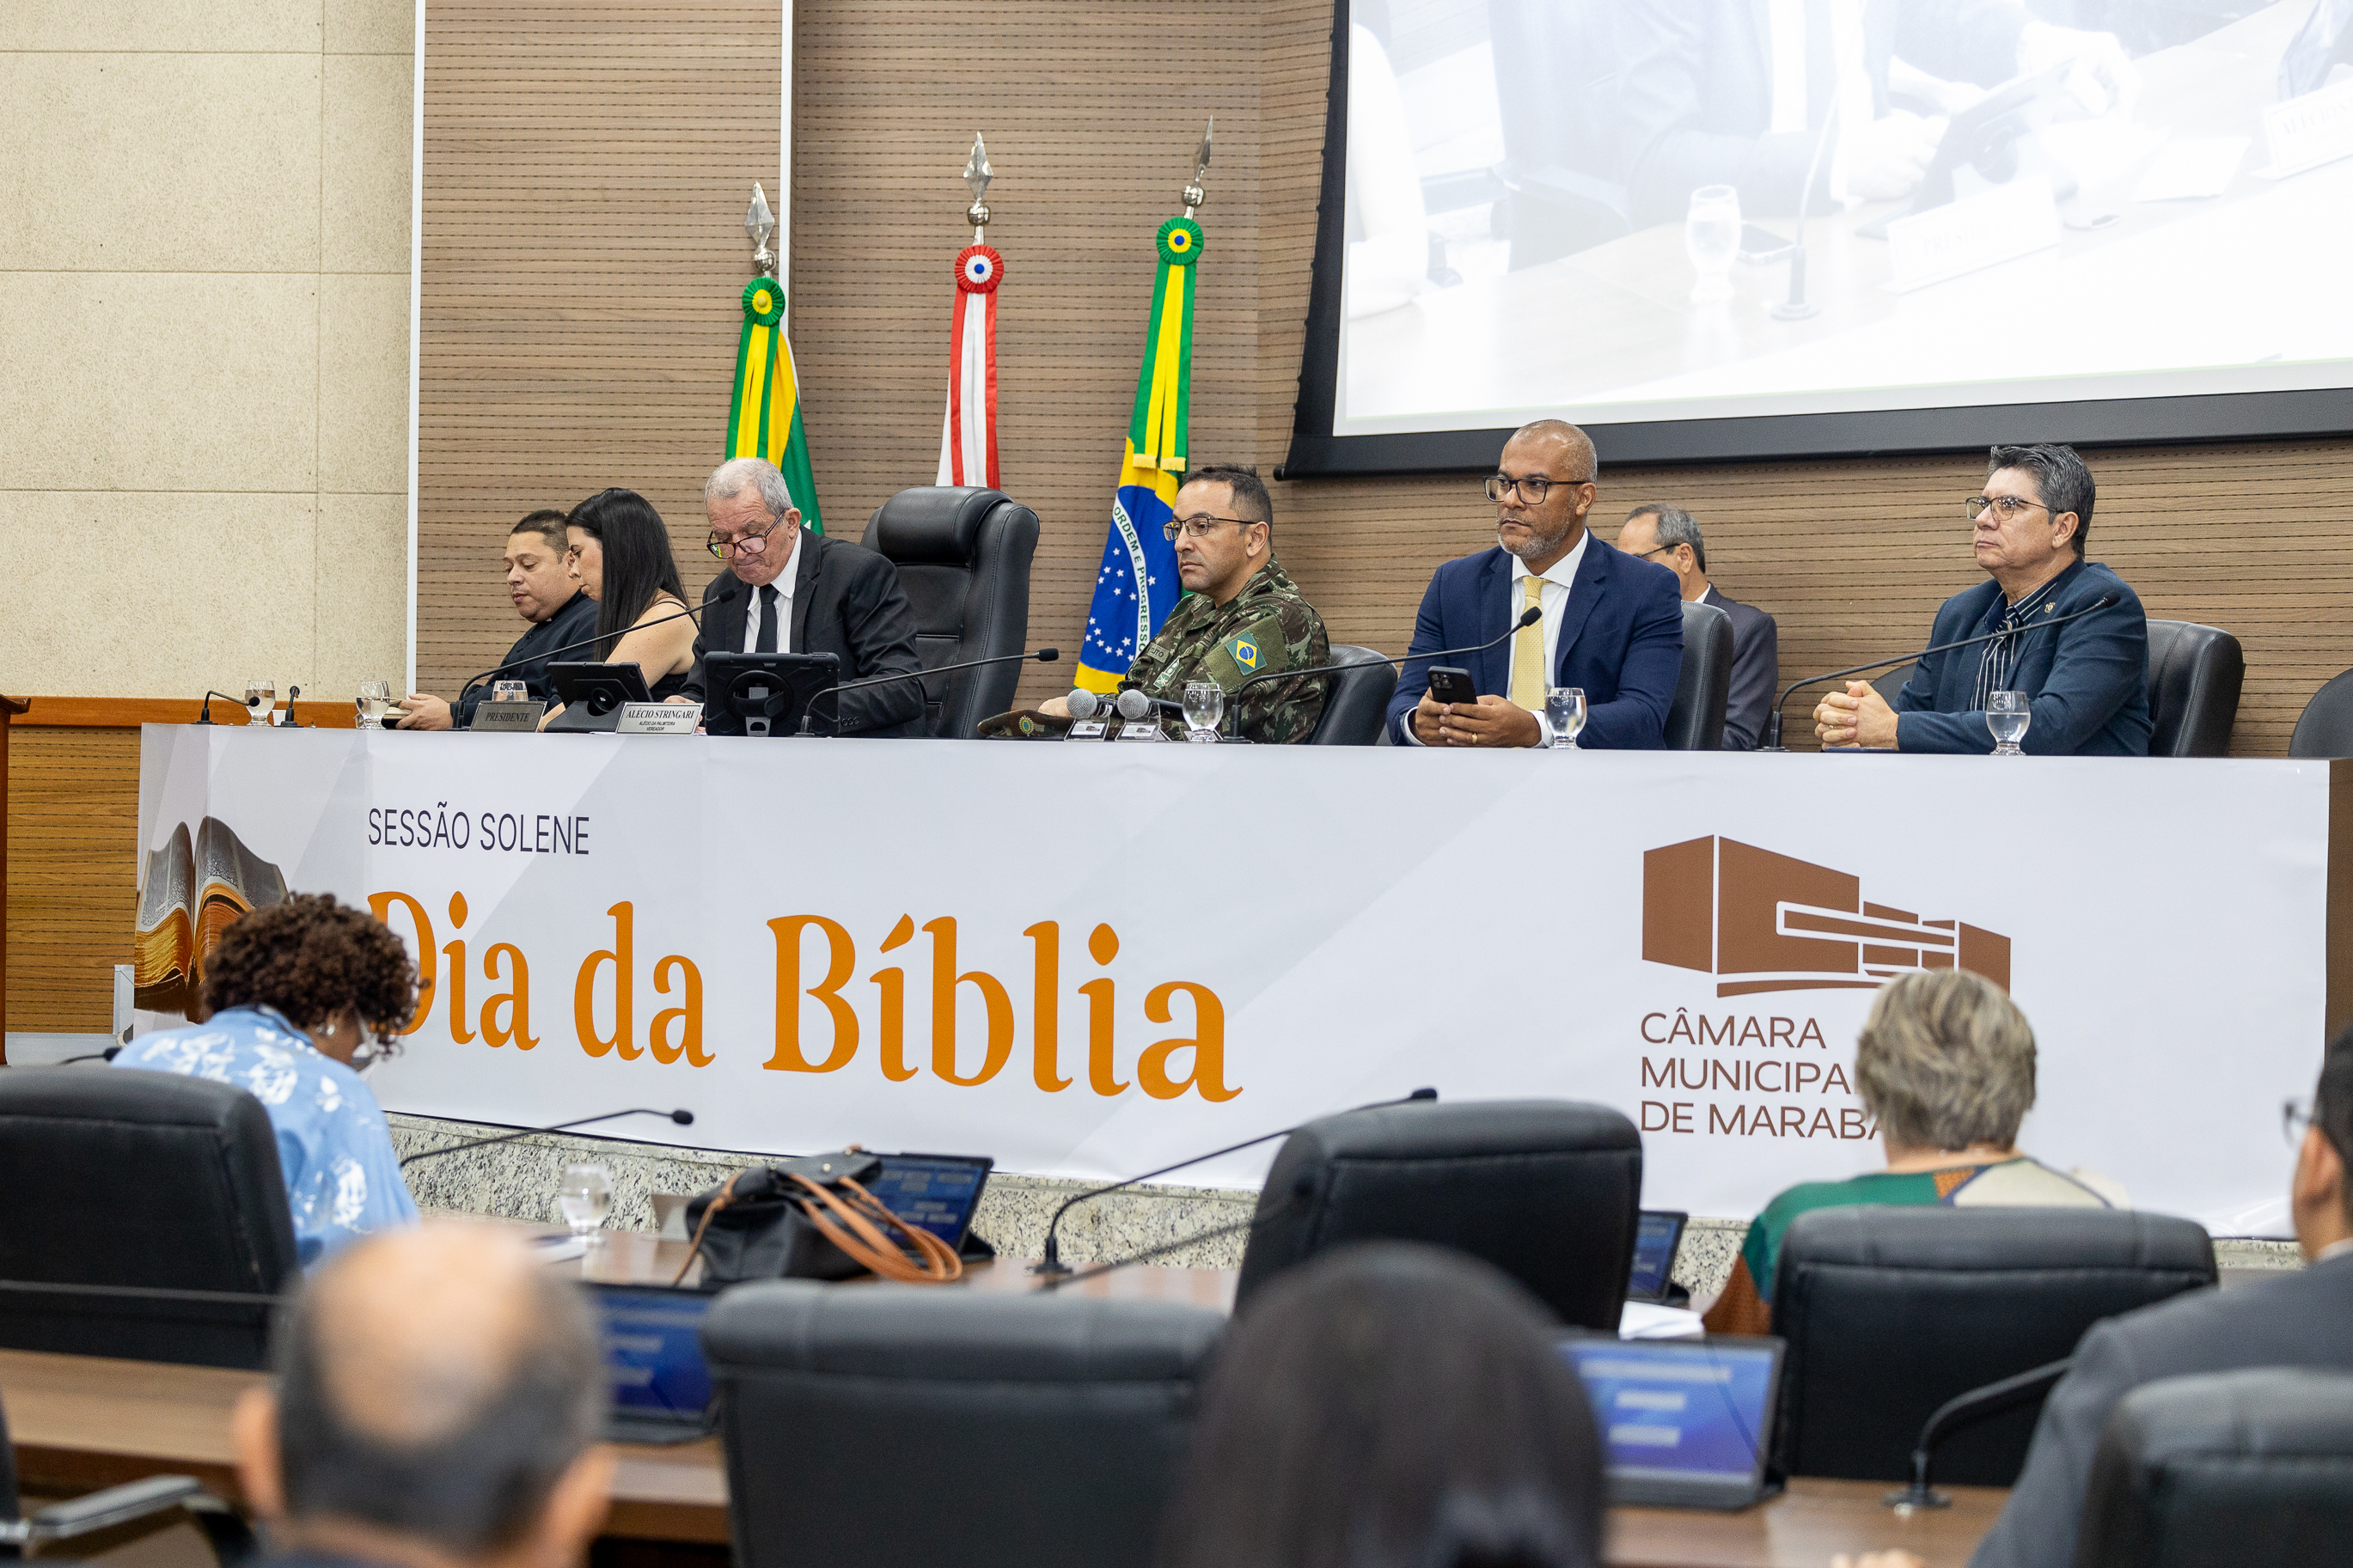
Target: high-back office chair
1889	1312
139	1181
2194	675
1546	1190
1704	688
1893	681
2324	728
898	1427
963	556
1358	701
2253	1468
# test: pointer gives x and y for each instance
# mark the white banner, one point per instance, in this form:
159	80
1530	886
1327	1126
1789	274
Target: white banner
1090	961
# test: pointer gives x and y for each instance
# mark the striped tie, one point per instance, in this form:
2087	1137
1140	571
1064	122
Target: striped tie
1528	673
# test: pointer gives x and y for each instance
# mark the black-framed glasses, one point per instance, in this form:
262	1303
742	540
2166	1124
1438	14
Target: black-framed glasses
1660	550
1200	525
2295	1118
1530	488
748	542
2004	507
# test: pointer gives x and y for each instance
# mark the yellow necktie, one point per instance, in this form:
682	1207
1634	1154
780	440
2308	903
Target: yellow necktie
1529	677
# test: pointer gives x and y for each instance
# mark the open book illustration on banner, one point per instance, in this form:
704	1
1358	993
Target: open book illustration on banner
191	891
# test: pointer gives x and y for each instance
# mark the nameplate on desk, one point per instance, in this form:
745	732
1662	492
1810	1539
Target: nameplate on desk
1992	226
1144	730
659	718
2306	132
507	718
1089	730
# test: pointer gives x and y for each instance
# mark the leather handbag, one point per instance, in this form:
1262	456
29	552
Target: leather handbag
810	1218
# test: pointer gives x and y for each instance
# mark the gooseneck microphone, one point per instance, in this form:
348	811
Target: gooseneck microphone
205	715
1528	618
458	706
1773	729
1042	655
1050	1262
683	1118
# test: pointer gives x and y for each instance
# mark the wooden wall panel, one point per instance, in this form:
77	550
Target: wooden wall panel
73	874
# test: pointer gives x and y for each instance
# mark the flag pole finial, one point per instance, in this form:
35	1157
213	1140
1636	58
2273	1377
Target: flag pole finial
977	175
761	224
1196	198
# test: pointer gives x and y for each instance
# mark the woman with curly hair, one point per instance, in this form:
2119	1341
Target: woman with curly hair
303	997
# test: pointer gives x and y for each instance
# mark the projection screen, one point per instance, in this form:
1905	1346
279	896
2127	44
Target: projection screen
1718	228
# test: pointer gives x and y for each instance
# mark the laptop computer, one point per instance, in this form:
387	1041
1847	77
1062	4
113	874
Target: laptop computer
1685	1423
1656	1237
938	1193
653	1355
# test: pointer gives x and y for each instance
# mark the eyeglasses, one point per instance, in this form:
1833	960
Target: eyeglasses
1661	550
1531	489
2004	507
748	542
2295	1117
1201	524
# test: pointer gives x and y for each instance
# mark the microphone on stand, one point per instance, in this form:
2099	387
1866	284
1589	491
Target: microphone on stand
683	1118
458	706
1234	703
1051	1265
1796	307
205	715
292	693
1042	655
1773	729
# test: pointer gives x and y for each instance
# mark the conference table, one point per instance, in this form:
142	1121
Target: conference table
80	1422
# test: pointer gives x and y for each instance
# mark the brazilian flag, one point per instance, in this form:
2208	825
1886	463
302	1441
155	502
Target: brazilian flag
766	419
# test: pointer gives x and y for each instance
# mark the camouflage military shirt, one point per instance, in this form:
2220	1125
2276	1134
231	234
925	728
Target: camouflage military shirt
1269	626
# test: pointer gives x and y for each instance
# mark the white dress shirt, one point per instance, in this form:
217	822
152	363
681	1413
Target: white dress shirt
784	588
1552	597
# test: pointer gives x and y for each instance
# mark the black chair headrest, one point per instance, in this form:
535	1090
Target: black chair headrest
932	524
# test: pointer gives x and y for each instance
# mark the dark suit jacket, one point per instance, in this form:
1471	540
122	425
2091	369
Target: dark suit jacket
846	600
1696	97
2305	1319
573	622
2088	680
1622	641
1755	670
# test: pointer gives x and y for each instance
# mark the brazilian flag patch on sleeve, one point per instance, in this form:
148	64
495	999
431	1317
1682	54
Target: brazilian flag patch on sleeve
1256	649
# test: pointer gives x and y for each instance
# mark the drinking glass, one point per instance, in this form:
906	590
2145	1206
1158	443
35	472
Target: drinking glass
1565	706
586	1198
1712	237
509	691
2008	715
1205	704
375	702
261	699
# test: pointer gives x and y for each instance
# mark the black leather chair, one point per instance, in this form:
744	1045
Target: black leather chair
900	1427
2253	1468
2194	675
1889	1312
231	1540
2324	728
139	1181
1546	1190
963	556
1889	684
1358	704
1696	723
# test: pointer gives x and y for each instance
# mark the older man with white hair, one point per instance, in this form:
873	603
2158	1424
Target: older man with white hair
785	590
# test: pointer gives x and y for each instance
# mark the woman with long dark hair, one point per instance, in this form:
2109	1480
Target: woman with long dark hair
620	553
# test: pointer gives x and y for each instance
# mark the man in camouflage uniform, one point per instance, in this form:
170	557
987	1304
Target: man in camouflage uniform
1241	615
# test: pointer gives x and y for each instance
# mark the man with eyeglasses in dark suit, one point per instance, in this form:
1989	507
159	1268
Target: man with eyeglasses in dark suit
2086	680
1611	627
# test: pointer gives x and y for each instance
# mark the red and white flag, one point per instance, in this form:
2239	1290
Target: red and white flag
968	427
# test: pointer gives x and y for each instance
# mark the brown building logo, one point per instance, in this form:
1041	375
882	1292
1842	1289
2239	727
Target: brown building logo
1761	921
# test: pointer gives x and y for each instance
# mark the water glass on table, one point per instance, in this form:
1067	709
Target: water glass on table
375	702
2007	713
509	691
261	699
1712	238
586	1198
1565	707
1205	704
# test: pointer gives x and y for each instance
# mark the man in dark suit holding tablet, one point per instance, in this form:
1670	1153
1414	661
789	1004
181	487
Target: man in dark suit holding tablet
1611	627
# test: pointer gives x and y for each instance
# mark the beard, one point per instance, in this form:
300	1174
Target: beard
1536	545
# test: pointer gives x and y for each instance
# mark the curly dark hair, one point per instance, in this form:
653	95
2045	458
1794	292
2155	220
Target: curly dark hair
311	957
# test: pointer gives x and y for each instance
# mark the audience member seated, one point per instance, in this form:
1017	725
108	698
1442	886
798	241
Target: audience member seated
1392	1406
786	590
436	1404
1242	616
1945	1065
303	997
620	556
2086	680
1612	626
546	594
1671	536
2300	1319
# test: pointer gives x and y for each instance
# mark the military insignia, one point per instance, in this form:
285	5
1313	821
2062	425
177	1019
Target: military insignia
2048	608
1245	652
1028	725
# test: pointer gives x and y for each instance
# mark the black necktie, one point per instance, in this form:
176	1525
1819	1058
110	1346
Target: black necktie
767	643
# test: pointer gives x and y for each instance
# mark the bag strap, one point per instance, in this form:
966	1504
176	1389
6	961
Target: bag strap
719	1200
870	1246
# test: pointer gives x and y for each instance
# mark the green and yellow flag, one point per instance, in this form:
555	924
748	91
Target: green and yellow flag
766	419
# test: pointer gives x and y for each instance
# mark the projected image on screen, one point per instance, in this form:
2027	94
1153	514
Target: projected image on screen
1642	210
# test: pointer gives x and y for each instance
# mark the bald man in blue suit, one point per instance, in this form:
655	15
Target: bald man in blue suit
1612	627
